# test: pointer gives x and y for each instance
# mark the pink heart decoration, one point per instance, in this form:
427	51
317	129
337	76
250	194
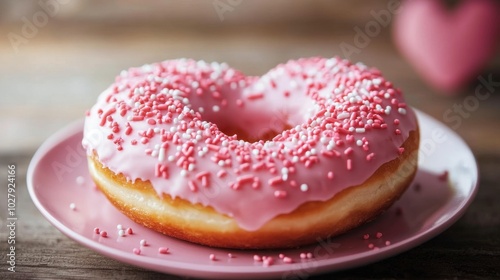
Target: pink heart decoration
448	48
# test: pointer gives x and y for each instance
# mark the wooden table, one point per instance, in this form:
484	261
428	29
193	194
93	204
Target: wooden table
58	75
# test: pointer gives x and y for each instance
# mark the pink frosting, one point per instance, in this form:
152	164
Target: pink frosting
334	123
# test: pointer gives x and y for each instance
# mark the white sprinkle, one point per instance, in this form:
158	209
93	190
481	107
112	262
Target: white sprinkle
80	180
171	158
183	173
343	115
161	154
284	177
359	142
402	111
191	167
304	187
118	226
201	110
121	232
72	206
388	110
221	163
143	242
377	81
215	108
360	130
154	153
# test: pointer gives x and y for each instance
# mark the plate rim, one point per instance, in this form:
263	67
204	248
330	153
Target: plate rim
187	269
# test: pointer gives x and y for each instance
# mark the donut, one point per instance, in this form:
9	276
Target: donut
201	152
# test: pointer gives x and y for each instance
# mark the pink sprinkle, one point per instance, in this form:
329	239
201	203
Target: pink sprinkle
281	256
136	251
303	255
257	258
287	260
229	255
349	164
275	181
310	255
137	118
163	250
371	246
255	96
245	179
401	150
370	156
221	173
366	236
192	186
268	261
104	116
96	230
280	194
443	176
378	235
212	257
348	151
387	243
104	234
330	175
202	174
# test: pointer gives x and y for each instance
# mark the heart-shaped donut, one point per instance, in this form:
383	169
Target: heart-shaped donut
202	152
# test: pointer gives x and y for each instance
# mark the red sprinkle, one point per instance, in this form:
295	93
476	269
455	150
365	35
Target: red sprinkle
163	250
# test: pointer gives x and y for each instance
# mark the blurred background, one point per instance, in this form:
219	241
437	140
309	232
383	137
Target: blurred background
56	56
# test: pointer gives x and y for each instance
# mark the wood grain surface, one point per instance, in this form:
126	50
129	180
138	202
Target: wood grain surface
54	78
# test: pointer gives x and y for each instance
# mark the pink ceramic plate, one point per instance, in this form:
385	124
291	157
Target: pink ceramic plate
443	188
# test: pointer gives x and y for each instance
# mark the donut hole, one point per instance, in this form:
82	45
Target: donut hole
267	135
261	123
